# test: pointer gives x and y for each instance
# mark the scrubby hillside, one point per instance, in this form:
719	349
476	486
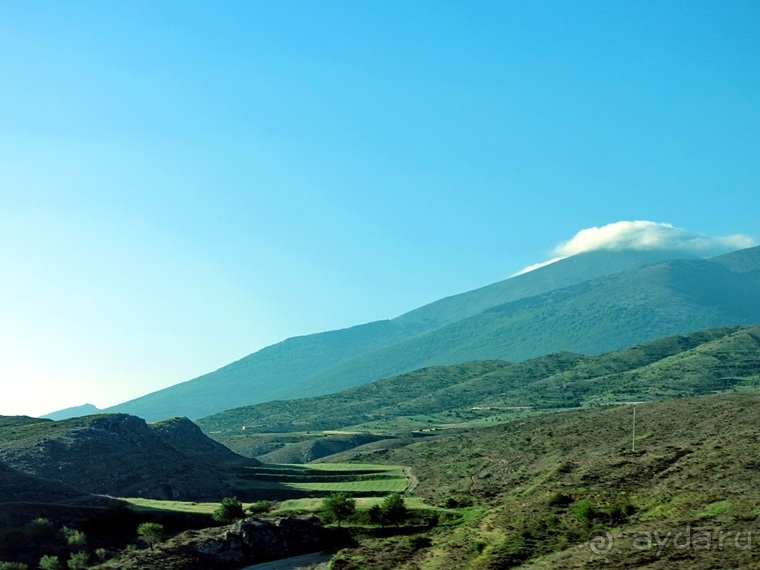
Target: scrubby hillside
567	490
685	365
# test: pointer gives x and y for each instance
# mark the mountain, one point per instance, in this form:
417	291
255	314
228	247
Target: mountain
588	303
120	455
74	412
434	399
596	316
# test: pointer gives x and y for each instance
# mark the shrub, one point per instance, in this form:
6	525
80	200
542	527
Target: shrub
48	562
260	508
13	566
229	511
78	561
585	511
151	533
40	529
73	537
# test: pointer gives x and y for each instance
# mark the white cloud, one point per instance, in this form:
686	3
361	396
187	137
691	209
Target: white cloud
644	235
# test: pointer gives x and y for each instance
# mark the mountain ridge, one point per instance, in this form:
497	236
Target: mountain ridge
329	361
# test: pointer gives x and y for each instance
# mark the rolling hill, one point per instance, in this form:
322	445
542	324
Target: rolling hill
430	400
589	303
120	455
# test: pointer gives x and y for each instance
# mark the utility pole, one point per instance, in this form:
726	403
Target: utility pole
633	435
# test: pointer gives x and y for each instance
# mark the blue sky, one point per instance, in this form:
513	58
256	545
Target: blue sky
183	183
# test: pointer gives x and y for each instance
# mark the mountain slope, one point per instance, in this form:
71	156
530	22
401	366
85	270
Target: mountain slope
599	315
698	363
118	454
73	412
433	334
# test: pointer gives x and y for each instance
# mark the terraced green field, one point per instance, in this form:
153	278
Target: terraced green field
302	487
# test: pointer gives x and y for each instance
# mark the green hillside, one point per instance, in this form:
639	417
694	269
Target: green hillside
700	362
726	358
567	490
596	316
279	371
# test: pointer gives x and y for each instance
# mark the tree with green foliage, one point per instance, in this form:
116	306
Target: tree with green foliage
375	515
40	530
74	538
151	533
102	554
394	509
49	562
338	507
260	508
78	561
229	511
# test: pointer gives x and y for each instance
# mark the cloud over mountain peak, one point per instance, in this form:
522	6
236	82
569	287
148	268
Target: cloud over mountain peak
645	235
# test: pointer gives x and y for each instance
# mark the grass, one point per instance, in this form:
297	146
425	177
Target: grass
396	485
140	504
348	477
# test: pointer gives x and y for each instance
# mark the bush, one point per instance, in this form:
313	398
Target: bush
585	511
13	566
78	561
73	537
229	511
260	508
151	533
48	562
39	530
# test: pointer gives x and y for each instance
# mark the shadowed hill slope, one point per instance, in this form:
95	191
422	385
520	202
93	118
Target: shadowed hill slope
118	454
16	486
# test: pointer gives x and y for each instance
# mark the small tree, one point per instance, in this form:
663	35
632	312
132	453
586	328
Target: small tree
394	509
338	507
375	515
78	561
49	562
229	511
151	533
73	537
40	530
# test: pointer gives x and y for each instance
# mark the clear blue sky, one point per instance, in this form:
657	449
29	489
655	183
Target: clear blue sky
183	183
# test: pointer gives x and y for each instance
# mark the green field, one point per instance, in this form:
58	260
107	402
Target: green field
289	506
370	480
